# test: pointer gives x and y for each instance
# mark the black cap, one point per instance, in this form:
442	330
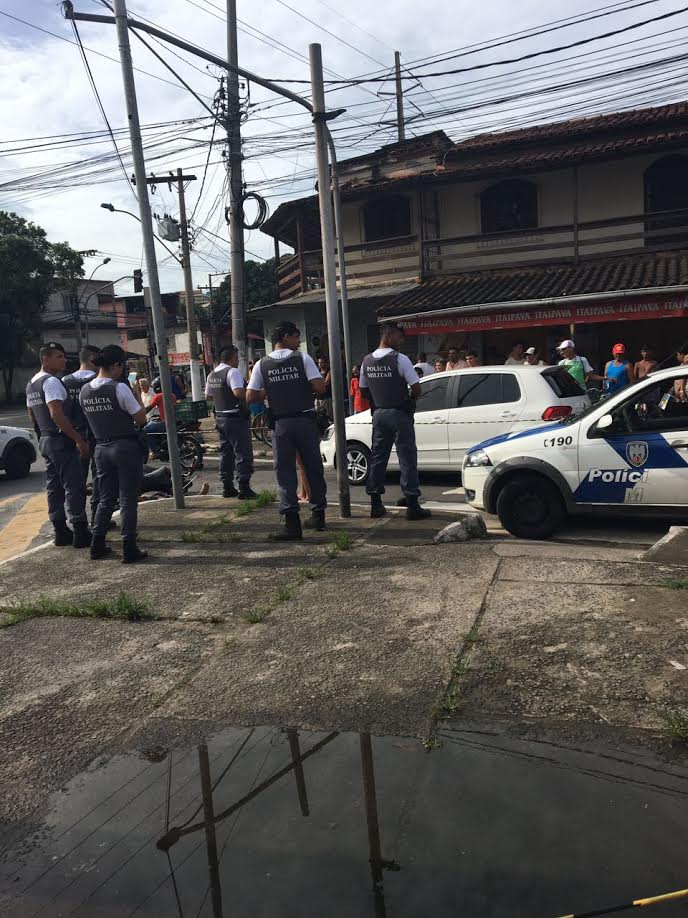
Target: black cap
49	348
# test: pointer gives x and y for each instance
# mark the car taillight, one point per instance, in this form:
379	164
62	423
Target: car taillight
555	412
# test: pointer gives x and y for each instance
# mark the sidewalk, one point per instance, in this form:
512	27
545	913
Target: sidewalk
366	626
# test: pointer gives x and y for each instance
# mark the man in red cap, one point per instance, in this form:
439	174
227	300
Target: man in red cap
618	371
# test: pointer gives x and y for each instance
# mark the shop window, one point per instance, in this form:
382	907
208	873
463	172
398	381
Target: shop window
509	205
386	217
433	395
666	188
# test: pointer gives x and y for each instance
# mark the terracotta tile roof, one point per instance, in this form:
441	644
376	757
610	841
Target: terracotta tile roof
663	269
616	123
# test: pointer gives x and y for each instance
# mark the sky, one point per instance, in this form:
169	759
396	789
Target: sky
47	96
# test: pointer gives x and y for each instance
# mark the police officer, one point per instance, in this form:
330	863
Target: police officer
290	380
73	383
112	413
389	380
227	387
62	447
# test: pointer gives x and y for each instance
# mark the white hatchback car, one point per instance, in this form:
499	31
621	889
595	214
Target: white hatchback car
459	408
626	455
18	451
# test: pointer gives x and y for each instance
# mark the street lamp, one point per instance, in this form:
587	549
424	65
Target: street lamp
119	210
84	302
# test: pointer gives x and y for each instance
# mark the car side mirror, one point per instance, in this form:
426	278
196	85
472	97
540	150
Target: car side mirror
605	422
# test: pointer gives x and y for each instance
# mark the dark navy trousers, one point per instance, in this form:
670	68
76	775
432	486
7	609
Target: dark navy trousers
393	427
236	449
64	480
292	436
119	464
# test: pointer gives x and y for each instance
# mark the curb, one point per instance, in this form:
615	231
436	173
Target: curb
675	534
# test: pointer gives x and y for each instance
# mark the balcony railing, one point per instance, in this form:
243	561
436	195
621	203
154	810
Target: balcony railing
405	257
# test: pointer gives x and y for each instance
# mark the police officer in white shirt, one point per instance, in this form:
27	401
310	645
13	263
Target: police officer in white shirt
389	381
290	380
62	447
73	383
227	387
112	412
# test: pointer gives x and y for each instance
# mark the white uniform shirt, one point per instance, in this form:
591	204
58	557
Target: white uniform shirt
427	368
235	379
125	397
312	372
53	390
83	374
404	365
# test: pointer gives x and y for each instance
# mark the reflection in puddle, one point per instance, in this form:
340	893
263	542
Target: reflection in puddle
270	822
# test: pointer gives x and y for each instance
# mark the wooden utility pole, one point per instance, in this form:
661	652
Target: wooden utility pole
401	129
194	359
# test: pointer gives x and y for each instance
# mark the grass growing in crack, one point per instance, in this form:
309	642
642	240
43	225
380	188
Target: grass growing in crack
431	742
473	635
332	551
207	537
122	607
284	594
264	499
450	704
254	616
309	573
677	724
676	583
342	541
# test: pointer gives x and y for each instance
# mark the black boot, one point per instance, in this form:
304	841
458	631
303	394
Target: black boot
377	508
99	548
82	535
316	521
291	529
414	511
63	534
245	492
402	502
228	490
131	553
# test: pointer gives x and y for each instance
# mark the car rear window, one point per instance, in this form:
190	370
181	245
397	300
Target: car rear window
562	383
488	389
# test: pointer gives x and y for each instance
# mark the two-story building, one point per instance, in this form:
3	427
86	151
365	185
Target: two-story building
572	229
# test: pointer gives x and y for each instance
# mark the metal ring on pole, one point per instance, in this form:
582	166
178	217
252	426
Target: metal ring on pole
263	211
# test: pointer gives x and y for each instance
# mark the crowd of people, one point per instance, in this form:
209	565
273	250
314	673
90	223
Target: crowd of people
94	420
618	372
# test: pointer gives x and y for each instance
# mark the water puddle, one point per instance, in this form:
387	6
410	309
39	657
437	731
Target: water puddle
270	822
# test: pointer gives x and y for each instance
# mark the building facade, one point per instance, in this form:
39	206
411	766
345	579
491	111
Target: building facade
574	229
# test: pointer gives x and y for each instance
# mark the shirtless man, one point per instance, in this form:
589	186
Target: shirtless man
646	364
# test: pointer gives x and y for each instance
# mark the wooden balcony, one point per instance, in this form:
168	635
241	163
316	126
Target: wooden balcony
406	257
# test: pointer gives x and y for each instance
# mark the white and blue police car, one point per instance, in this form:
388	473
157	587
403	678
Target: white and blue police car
628	454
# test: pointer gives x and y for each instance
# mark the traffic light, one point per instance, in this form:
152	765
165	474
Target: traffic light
138	280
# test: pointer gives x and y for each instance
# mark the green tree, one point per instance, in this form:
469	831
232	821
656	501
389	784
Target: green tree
260	287
31	268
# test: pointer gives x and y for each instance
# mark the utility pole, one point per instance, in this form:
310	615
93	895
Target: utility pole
197	393
236	191
320	117
76	310
401	130
149	246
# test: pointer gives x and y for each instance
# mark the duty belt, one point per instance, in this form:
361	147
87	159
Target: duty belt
103	442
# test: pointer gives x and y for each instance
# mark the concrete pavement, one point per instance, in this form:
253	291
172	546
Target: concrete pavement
384	634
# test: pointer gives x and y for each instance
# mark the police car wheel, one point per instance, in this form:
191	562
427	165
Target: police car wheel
357	463
530	507
18	462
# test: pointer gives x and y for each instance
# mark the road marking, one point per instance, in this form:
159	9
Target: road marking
15	498
24	526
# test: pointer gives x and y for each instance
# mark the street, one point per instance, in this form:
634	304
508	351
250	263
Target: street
23	512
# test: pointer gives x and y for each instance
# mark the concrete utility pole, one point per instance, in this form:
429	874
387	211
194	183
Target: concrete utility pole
149	247
236	191
401	129
330	274
197	392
